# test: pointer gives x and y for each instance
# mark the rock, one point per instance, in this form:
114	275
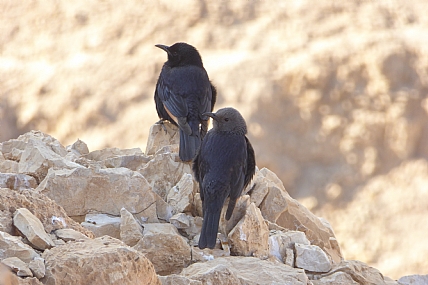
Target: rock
115	158
359	271
18	266
161	135
29	281
16	181
51	215
194	227
244	270
278	207
37	266
165	248
102	224
106	153
132	162
69	235
206	254
180	221
31	227
164	171
175	279
11	246
413	280
103	260
250	236
164	210
311	258
238	213
38	158
281	244
337	278
189	226
259	188
180	197
130	230
9	166
289	258
80	147
13	149
197	202
81	190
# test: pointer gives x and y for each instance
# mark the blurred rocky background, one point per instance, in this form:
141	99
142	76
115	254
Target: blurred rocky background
335	95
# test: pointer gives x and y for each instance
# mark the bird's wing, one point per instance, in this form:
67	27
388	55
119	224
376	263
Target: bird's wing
238	161
172	101
250	167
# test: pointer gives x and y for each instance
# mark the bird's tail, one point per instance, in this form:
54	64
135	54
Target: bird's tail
189	144
209	228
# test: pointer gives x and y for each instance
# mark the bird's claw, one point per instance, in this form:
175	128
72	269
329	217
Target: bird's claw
161	122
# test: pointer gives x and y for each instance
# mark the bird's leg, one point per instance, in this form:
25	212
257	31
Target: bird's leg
161	122
224	242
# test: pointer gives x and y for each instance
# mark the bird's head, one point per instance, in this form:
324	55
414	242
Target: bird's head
181	54
228	120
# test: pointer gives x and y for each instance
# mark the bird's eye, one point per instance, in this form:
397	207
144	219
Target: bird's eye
174	53
226	119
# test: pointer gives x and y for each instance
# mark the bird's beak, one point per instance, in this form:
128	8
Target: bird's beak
209	114
165	48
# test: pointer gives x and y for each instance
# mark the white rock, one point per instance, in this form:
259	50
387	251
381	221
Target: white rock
281	244
250	236
130	230
31	227
81	191
102	224
312	258
80	146
164	171
38	157
180	221
164	210
17	181
69	235
180	197
37	266
337	278
161	135
194	227
413	280
18	266
11	246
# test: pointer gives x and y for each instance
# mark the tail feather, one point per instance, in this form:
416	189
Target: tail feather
209	229
188	146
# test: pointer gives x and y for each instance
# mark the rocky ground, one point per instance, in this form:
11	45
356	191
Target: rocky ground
121	216
334	93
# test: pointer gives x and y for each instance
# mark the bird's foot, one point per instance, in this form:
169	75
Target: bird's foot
224	242
161	122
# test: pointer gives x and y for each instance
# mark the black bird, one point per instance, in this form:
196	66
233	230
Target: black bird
183	93
223	166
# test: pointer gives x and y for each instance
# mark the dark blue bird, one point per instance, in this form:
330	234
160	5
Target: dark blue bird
183	93
223	166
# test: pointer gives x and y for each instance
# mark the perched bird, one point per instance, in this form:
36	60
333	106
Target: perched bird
183	93
223	166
